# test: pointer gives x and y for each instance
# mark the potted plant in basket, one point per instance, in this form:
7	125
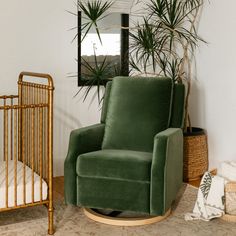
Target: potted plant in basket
163	44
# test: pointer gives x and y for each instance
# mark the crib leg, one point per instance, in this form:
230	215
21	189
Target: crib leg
50	221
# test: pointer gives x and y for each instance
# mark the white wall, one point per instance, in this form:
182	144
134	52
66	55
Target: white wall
213	103
35	37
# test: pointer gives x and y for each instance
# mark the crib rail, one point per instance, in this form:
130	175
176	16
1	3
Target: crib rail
13	107
26	144
8	96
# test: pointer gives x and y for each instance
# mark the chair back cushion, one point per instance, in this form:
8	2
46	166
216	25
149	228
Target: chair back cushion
138	109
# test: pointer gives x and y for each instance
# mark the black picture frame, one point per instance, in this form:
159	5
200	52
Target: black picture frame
124	48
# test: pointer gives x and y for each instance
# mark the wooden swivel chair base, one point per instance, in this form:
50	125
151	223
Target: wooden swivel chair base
123	221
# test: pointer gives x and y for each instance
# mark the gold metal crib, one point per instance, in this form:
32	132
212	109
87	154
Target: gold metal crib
26	145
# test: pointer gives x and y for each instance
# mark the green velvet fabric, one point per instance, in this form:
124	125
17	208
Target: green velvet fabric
115	164
105	102
81	141
138	109
177	113
167	170
121	195
140	166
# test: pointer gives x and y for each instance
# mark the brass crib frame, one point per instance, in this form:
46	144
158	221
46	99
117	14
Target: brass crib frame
28	138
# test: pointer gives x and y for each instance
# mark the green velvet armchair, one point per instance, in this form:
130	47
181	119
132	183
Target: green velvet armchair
133	159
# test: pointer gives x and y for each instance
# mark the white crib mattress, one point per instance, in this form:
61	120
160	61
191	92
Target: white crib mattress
11	188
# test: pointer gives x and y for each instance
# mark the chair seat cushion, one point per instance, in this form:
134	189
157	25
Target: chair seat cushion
115	164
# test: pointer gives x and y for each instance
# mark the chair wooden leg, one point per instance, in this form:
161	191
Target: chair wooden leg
118	221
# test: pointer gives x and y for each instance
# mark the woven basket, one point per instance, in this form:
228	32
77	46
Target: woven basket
230	202
195	156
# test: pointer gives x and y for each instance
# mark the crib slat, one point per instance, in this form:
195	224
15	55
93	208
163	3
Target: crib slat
27	129
46	137
4	104
23	155
45	145
15	156
28	125
37	128
19	123
41	150
11	114
6	150
32	154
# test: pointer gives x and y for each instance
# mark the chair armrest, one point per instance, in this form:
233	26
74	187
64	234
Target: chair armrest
82	140
166	170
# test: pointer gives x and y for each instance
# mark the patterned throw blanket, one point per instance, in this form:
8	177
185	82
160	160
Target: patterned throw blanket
210	199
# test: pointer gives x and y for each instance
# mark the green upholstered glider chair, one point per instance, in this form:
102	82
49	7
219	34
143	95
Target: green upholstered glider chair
133	159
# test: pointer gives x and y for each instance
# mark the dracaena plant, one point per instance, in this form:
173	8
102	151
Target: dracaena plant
164	43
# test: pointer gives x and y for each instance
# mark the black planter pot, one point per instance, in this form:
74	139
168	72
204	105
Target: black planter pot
195	154
195	131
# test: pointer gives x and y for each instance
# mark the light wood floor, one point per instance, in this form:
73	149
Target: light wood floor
58	188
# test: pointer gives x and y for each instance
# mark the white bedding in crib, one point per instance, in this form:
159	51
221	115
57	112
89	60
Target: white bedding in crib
11	188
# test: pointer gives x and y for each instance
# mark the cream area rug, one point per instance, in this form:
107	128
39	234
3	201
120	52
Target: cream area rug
70	221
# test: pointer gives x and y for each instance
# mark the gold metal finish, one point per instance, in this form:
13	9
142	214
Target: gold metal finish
6	151
28	138
24	206
15	156
32	153
40	152
50	154
11	130
23	155
7	97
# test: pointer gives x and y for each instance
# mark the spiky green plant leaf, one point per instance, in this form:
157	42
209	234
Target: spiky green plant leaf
94	11
98	74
